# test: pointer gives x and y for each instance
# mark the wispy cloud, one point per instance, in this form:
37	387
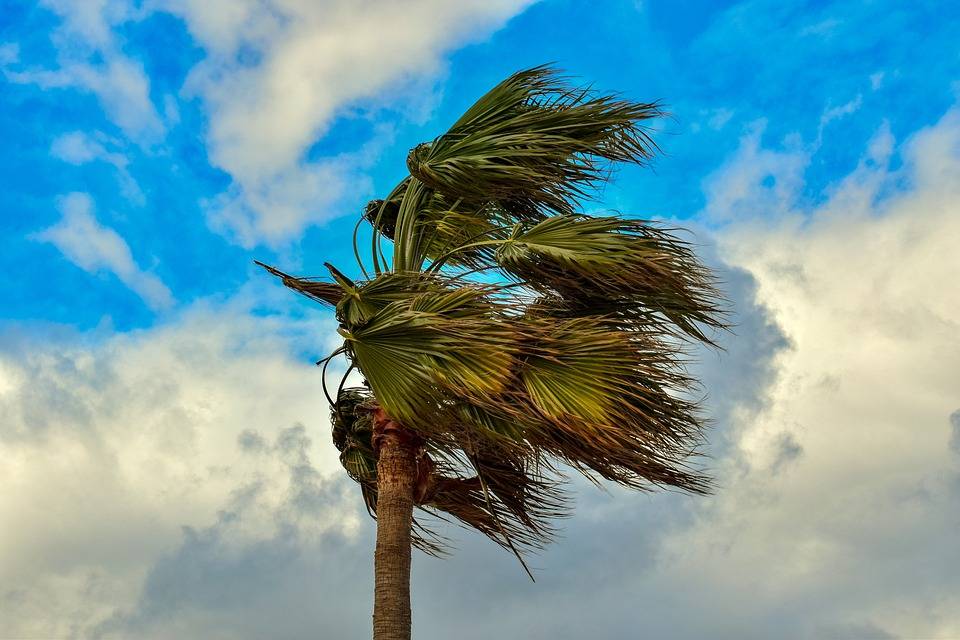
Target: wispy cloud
9	53
756	180
79	147
94	247
90	57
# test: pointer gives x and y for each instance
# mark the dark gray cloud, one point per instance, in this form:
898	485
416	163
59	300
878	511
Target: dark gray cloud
955	431
736	378
854	632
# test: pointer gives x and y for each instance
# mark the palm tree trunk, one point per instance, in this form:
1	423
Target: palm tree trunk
396	479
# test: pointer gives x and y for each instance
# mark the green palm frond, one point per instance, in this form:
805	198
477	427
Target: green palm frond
534	142
418	352
361	301
449	226
531	146
614	262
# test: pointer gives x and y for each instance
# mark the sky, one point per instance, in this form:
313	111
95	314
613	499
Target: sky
167	468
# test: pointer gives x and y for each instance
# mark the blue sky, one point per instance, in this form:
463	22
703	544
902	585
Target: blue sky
718	69
152	150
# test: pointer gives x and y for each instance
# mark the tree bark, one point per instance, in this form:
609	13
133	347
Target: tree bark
396	480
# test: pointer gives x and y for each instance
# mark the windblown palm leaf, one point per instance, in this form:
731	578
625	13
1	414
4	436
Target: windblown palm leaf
513	335
533	144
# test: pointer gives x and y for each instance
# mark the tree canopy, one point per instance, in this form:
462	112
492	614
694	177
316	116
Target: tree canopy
514	334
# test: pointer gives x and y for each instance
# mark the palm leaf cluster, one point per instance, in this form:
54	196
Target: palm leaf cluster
515	335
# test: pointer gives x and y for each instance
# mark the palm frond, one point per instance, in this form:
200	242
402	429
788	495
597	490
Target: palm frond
618	264
535	144
417	352
313	288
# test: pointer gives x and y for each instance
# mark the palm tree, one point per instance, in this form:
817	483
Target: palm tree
508	337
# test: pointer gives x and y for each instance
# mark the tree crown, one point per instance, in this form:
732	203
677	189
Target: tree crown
514	334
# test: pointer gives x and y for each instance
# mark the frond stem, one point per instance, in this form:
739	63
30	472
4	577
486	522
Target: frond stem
356	249
437	264
323	374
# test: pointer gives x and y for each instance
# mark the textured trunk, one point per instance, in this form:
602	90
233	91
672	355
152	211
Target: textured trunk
396	480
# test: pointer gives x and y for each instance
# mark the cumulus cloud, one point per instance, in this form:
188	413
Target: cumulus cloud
177	482
223	582
858	528
838	502
94	247
120	450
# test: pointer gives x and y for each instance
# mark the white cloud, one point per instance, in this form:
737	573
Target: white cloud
278	72
93	247
838	488
78	147
761	181
111	446
845	109
275	207
276	75
9	53
838	491
120	84
719	118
